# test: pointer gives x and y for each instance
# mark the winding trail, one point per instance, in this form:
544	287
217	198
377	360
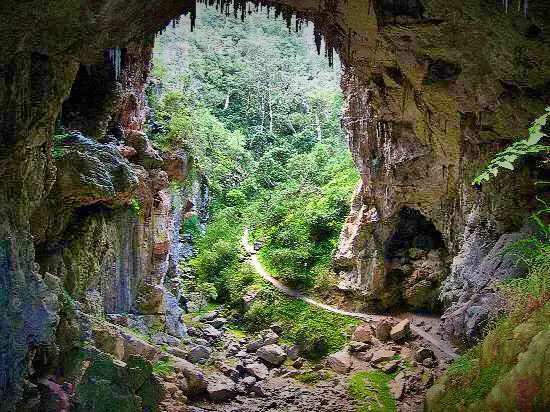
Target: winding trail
436	342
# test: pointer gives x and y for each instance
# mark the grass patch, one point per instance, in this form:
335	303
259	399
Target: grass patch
372	390
163	367
317	331
311	378
208	308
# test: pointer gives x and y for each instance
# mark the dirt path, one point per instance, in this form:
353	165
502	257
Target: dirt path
435	341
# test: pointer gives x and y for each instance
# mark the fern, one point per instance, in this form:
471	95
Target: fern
519	149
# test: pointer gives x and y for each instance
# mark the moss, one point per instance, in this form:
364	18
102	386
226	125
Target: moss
312	377
107	382
475	375
163	367
372	391
315	330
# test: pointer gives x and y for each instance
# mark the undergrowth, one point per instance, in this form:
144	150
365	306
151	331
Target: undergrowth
372	391
471	377
315	330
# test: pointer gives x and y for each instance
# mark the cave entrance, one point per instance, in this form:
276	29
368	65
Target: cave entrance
415	256
259	110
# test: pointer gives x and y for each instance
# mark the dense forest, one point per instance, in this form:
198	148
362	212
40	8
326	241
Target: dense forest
260	113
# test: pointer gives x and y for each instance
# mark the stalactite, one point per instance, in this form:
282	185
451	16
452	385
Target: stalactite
115	59
241	6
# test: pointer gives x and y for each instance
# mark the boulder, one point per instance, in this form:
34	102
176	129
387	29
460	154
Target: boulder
217	322
210	332
391	366
180	353
199	354
340	361
209	316
382	355
162	338
383	330
358	346
397	386
255	345
134	345
401	331
220	388
269	337
195	377
258	370
363	333
272	354
249	381
298	363
423	353
259	389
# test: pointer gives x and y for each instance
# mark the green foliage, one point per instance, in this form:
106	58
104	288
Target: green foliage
471	377
163	367
191	226
301	220
312	377
59	139
218	257
532	253
317	331
208	289
135	206
372	391
260	114
519	149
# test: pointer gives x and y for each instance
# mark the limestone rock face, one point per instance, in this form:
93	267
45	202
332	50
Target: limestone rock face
90	172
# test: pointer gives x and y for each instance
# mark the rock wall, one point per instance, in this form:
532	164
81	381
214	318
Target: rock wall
425	109
432	88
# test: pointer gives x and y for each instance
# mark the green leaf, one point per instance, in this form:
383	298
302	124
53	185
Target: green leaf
535	137
541	121
511	157
506	164
494	170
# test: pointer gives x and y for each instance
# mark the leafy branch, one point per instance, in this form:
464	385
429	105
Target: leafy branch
519	149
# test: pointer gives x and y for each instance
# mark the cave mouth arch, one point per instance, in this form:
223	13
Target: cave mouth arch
100	85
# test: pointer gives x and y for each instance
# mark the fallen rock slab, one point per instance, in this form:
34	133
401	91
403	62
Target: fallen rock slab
382	355
363	333
340	361
272	354
383	330
401	331
220	388
258	370
199	354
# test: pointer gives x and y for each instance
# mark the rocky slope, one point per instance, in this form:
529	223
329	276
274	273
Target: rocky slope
431	89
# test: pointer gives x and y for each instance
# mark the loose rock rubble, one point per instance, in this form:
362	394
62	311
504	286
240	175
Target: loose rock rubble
261	373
